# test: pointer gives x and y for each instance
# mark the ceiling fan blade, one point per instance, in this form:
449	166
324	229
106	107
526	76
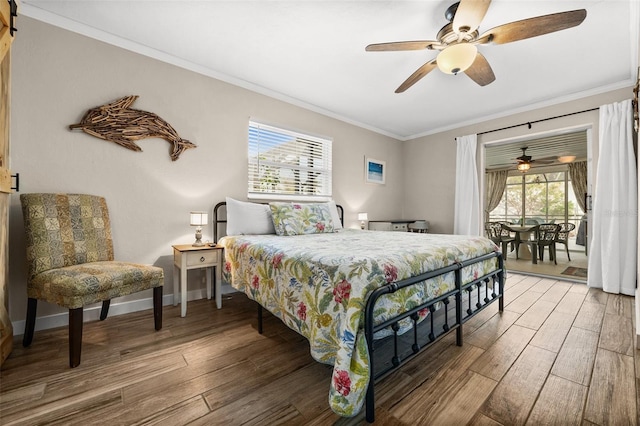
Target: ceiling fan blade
545	160
469	15
480	71
401	45
504	165
416	76
533	27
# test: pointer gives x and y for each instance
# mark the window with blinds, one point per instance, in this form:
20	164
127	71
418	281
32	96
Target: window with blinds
288	165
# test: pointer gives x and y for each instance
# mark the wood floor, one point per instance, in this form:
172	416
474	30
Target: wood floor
559	354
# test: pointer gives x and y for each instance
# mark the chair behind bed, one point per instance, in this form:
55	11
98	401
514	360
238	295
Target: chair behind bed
220	219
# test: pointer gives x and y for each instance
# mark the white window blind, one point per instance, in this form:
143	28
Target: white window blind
288	165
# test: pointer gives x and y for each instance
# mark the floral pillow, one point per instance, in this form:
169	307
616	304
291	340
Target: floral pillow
298	219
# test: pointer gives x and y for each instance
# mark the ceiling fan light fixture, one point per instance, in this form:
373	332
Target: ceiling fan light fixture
524	167
457	58
566	159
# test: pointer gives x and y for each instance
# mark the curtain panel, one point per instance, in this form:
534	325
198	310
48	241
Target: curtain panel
496	184
613	248
578	176
467	197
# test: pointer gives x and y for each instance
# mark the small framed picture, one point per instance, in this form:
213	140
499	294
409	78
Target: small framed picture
374	171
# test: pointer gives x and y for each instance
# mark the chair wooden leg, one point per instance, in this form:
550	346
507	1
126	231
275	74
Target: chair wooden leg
567	247
75	336
105	309
157	307
30	323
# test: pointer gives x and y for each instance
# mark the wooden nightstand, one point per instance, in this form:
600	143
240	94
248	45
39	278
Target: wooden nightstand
186	257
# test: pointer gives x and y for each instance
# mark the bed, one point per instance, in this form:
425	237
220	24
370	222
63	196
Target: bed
367	301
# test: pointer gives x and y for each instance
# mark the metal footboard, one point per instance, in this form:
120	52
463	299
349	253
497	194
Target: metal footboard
477	295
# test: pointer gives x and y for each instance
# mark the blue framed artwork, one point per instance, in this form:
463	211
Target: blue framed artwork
374	171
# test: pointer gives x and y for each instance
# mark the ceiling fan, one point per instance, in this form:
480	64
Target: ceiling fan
525	161
458	39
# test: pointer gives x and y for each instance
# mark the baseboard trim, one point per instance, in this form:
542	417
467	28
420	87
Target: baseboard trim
93	313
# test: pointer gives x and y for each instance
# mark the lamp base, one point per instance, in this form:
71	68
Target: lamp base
198	242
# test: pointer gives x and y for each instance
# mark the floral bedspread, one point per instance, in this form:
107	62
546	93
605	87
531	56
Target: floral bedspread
318	285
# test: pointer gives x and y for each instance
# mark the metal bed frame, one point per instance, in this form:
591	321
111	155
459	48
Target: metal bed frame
468	299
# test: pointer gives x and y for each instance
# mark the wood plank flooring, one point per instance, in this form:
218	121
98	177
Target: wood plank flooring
559	354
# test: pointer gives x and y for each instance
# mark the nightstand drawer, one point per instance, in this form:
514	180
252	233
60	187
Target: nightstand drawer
201	258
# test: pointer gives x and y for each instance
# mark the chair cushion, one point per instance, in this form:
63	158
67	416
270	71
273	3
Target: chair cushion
79	285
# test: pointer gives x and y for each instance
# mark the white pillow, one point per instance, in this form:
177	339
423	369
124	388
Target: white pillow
244	218
337	223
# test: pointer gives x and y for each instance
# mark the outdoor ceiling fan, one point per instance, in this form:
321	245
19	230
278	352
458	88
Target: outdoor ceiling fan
457	41
525	161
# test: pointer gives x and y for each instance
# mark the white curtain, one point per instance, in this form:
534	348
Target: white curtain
466	219
613	248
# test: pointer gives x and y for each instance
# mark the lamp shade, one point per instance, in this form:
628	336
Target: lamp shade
457	58
362	216
566	158
198	218
524	167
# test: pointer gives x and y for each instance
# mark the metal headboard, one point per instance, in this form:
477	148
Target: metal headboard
220	219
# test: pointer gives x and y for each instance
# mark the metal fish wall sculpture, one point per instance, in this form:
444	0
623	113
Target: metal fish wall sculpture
118	122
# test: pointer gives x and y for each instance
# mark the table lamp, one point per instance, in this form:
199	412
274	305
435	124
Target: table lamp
198	219
362	217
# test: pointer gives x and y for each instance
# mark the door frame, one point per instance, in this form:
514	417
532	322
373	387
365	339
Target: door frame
523	138
6	39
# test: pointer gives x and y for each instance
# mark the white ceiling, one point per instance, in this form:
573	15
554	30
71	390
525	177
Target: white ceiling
311	53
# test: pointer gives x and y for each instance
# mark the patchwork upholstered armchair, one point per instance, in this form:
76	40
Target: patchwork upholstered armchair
71	263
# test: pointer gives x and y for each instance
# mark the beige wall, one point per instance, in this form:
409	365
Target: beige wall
58	75
430	161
